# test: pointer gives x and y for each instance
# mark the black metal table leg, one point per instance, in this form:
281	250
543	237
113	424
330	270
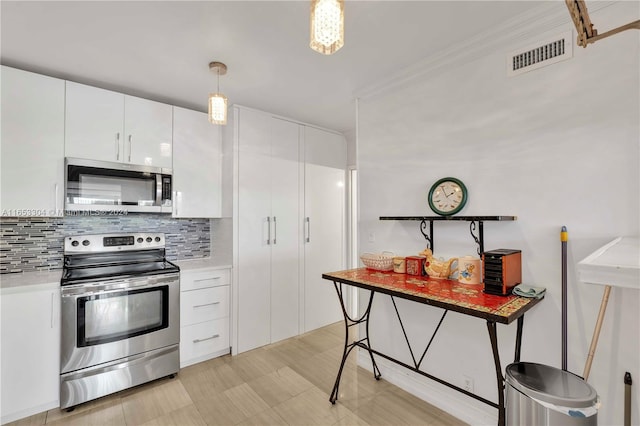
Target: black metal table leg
348	347
516	357
374	366
493	337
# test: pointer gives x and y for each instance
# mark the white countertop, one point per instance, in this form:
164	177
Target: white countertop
616	264
47	280
201	263
30	281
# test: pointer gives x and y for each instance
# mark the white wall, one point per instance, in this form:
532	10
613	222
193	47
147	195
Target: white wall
556	146
350	137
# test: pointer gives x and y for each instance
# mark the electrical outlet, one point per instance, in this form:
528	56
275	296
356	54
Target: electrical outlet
372	237
467	383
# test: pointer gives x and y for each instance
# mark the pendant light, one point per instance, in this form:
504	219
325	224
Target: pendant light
218	101
327	26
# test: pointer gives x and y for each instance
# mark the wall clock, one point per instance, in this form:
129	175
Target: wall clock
447	196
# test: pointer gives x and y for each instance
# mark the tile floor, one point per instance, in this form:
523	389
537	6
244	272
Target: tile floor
287	383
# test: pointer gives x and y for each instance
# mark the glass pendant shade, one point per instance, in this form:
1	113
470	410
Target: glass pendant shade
218	101
327	26
217	108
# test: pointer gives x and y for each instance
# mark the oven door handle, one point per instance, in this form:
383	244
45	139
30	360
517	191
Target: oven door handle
102	288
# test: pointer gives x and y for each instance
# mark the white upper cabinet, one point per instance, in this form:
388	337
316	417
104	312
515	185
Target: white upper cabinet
109	126
32	144
148	132
197	165
94	122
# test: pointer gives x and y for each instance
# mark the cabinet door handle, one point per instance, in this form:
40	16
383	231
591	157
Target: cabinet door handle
275	230
130	148
308	221
206	304
206	279
268	230
118	146
215	336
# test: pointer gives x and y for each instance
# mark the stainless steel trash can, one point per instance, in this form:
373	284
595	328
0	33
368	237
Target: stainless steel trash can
539	395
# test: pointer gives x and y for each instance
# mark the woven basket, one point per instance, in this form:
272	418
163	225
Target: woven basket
378	261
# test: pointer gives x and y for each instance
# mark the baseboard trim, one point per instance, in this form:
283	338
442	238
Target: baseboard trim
203	358
12	417
454	403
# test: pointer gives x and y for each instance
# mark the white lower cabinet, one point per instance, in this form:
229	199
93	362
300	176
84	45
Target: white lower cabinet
205	304
203	341
30	366
204	314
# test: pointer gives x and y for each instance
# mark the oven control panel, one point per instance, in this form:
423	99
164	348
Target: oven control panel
113	242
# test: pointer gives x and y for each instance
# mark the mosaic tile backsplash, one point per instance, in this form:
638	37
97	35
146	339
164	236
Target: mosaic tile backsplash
36	243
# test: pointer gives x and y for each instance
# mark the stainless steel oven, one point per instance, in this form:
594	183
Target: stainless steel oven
120	315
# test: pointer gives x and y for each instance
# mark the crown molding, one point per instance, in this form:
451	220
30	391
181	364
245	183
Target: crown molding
524	27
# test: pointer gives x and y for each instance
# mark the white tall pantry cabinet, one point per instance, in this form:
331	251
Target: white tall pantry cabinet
324	214
268	240
277	285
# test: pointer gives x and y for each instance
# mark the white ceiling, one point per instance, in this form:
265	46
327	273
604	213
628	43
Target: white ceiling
161	50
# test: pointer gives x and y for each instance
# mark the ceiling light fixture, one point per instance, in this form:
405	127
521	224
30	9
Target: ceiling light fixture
327	26
218	101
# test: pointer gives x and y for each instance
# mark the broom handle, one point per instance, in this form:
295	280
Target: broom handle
627	399
596	332
563	238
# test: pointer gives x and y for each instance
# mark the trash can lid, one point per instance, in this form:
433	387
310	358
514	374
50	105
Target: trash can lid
550	384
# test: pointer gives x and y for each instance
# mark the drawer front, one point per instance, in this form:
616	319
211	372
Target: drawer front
193	280
200	340
204	305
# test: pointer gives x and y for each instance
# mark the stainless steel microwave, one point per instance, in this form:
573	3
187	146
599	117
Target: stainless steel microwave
104	186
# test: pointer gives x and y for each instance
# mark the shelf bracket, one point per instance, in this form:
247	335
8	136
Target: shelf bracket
429	236
476	229
479	239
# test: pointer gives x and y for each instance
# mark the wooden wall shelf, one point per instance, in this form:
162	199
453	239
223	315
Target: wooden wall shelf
479	239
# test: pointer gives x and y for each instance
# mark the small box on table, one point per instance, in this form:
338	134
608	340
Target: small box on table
501	270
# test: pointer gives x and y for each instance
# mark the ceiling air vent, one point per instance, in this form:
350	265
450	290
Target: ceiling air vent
540	55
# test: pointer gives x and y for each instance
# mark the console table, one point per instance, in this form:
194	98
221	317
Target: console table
445	294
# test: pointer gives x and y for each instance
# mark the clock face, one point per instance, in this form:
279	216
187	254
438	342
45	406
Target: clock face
447	196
